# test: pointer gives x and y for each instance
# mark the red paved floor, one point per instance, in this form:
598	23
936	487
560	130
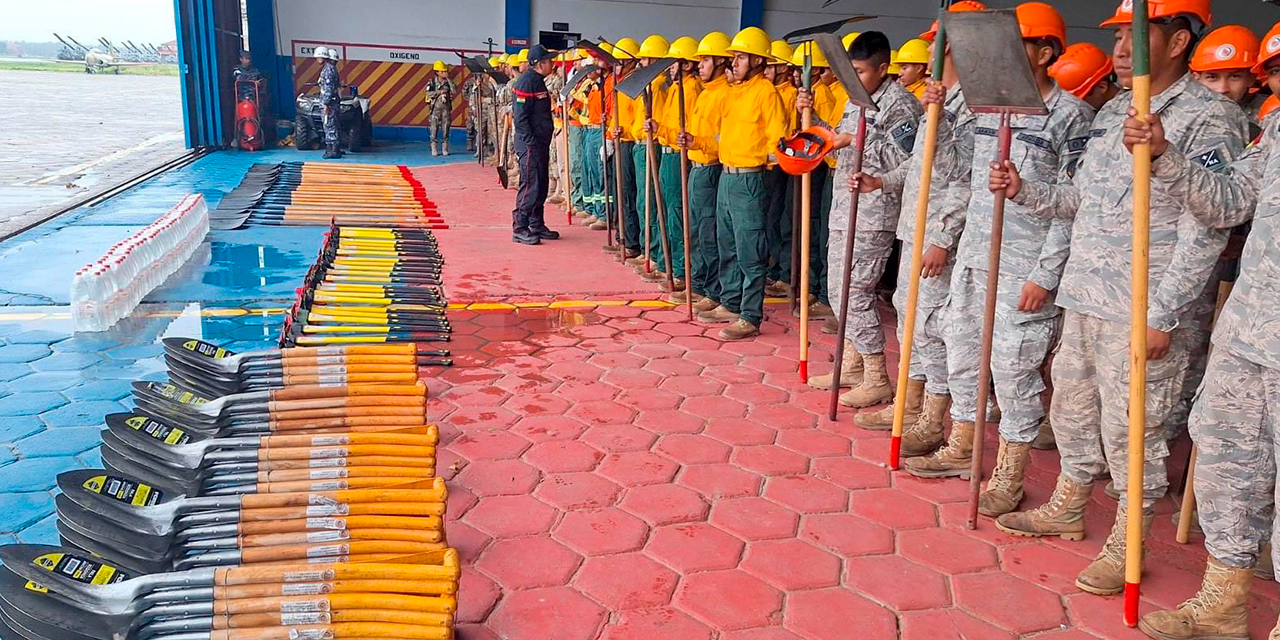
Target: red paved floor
618	473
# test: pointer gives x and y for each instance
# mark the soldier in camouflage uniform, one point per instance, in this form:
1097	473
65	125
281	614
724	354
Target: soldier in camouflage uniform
330	84
1034	251
1233	421
891	132
439	93
555	82
1090	372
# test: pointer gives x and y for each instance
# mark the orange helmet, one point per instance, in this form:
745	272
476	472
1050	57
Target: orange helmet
958	7
1041	21
1080	68
1270	47
804	151
1229	47
1268	106
1198	9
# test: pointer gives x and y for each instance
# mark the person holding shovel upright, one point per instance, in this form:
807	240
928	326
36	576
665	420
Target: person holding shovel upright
1090	372
684	49
891	134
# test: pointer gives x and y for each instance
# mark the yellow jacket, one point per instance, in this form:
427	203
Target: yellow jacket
576	105
750	125
669	124
918	88
658	89
707	113
626	115
835	113
787	92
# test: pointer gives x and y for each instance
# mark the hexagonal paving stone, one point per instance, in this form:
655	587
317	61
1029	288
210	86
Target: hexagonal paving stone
755	392
577	491
47	381
824	614
609	361
649	399
563	456
754	519
792	565
729	599
893	509
656	349
782	416
760	633
770	460
29	404
537	404
812	442
23	510
477	595
34	474
59	442
545	428
19	427
631	378
468	540
661	504
43	532
806	494
717	481
575	371
478	417
81	414
673	367
660	622
693	386
898	583
737	432
66	362
954	624
847	536
619	438
665	421
98	390
529	562
489	445
1045	565
693	449
36	336
587	391
1008	601
950	552
601	531
528	382
136	351
20	353
714	407
602	412
499	477
86	343
628	581
694	547
638	468
508	516
851	473
460	501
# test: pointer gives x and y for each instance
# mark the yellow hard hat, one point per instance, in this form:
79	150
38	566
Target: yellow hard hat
502	59
782	51
849	38
626	48
684	48
439	66
715	43
607	48
495	61
655	46
753	41
894	68
523	56
817	57
914	51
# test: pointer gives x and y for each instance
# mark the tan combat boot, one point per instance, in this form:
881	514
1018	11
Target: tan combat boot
1216	611
882	420
717	315
653	276
705	304
1105	575
820	310
677	284
678	296
1062	515
1004	489
952	460
874	387
739	330
850	370
924	436
1045	440
598	225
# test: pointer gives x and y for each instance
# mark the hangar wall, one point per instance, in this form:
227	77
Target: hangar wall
613	19
439	26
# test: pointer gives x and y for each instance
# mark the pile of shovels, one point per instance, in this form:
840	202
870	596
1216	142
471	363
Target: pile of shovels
372	285
314	194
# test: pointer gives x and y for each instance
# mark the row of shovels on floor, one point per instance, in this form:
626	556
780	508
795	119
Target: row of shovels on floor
369	286
298	502
316	194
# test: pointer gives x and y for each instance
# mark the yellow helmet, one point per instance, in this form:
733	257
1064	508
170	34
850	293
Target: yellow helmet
626	49
502	59
715	43
817	57
894	68
849	38
914	51
495	61
655	46
439	66
684	48
523	56
782	51
753	41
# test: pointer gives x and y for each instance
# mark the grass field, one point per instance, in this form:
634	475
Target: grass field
71	67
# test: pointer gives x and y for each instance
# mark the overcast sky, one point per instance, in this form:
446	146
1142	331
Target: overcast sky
87	20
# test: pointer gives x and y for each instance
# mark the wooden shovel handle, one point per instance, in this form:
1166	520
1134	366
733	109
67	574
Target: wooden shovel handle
366	349
348	417
348	364
303	572
384	378
300	440
346	451
422	491
254	555
338	524
288	409
352	461
338	631
334	484
366	509
310	391
334	473
441	590
332	601
414	535
366	612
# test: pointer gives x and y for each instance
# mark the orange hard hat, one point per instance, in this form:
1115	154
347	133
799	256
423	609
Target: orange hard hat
1041	21
1198	9
1229	47
1270	47
804	151
958	7
1080	68
1268	106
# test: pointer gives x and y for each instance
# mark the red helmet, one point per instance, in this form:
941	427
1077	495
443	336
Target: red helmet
1081	67
958	7
804	151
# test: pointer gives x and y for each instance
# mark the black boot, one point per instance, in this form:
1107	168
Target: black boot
331	151
524	236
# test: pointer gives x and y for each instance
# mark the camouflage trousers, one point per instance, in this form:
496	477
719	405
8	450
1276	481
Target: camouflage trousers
555	173
440	123
1090	406
1018	350
1233	424
1200	329
871	252
929	351
329	121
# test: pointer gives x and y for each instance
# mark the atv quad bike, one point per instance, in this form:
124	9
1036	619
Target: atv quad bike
355	122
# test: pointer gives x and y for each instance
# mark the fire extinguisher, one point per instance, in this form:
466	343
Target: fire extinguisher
249	134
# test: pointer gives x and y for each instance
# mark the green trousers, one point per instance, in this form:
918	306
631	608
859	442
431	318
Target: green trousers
669	174
740	237
819	238
703	183
575	167
627	161
777	228
593	172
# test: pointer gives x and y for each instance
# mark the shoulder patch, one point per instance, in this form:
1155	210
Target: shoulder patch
1212	160
1077	145
985	131
904	135
951	116
1097	133
1035	141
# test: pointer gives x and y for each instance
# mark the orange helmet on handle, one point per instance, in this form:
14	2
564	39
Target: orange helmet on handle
1198	9
1040	21
804	151
1268	107
958	7
1229	47
1270	48
1081	67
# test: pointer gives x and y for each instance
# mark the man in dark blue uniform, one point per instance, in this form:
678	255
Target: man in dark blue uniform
531	111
